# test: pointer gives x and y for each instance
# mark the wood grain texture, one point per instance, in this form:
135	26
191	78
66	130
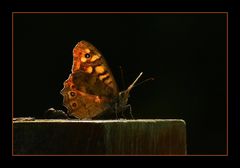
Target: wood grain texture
100	137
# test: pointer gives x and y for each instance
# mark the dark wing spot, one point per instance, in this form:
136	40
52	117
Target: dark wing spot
72	94
87	55
74	104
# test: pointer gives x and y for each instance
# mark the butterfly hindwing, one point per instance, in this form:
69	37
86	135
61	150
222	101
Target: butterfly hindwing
82	105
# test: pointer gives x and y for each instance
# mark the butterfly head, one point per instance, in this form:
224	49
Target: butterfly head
124	95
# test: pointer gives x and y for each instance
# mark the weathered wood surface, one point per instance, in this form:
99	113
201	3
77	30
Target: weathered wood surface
100	137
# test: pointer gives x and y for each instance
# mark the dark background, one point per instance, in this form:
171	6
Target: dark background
185	53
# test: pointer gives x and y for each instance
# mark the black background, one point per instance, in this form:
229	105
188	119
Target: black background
185	53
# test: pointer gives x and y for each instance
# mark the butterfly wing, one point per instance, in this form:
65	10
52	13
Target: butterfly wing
88	59
91	87
81	104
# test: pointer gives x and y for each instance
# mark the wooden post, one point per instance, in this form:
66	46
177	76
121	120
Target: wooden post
100	137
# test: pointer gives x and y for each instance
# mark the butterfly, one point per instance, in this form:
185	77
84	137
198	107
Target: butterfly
91	89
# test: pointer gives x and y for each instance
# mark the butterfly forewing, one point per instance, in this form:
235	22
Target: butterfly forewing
91	87
91	61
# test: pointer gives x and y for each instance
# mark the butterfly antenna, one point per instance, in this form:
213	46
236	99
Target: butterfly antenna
125	94
146	80
132	85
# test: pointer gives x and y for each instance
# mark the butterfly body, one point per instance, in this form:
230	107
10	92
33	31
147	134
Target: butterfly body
91	88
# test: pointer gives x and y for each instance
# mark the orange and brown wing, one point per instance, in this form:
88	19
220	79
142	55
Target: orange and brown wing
82	105
86	58
91	87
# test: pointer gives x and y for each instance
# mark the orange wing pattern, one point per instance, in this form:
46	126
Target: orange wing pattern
91	87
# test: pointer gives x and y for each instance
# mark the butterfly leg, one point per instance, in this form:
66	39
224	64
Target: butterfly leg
130	110
126	107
